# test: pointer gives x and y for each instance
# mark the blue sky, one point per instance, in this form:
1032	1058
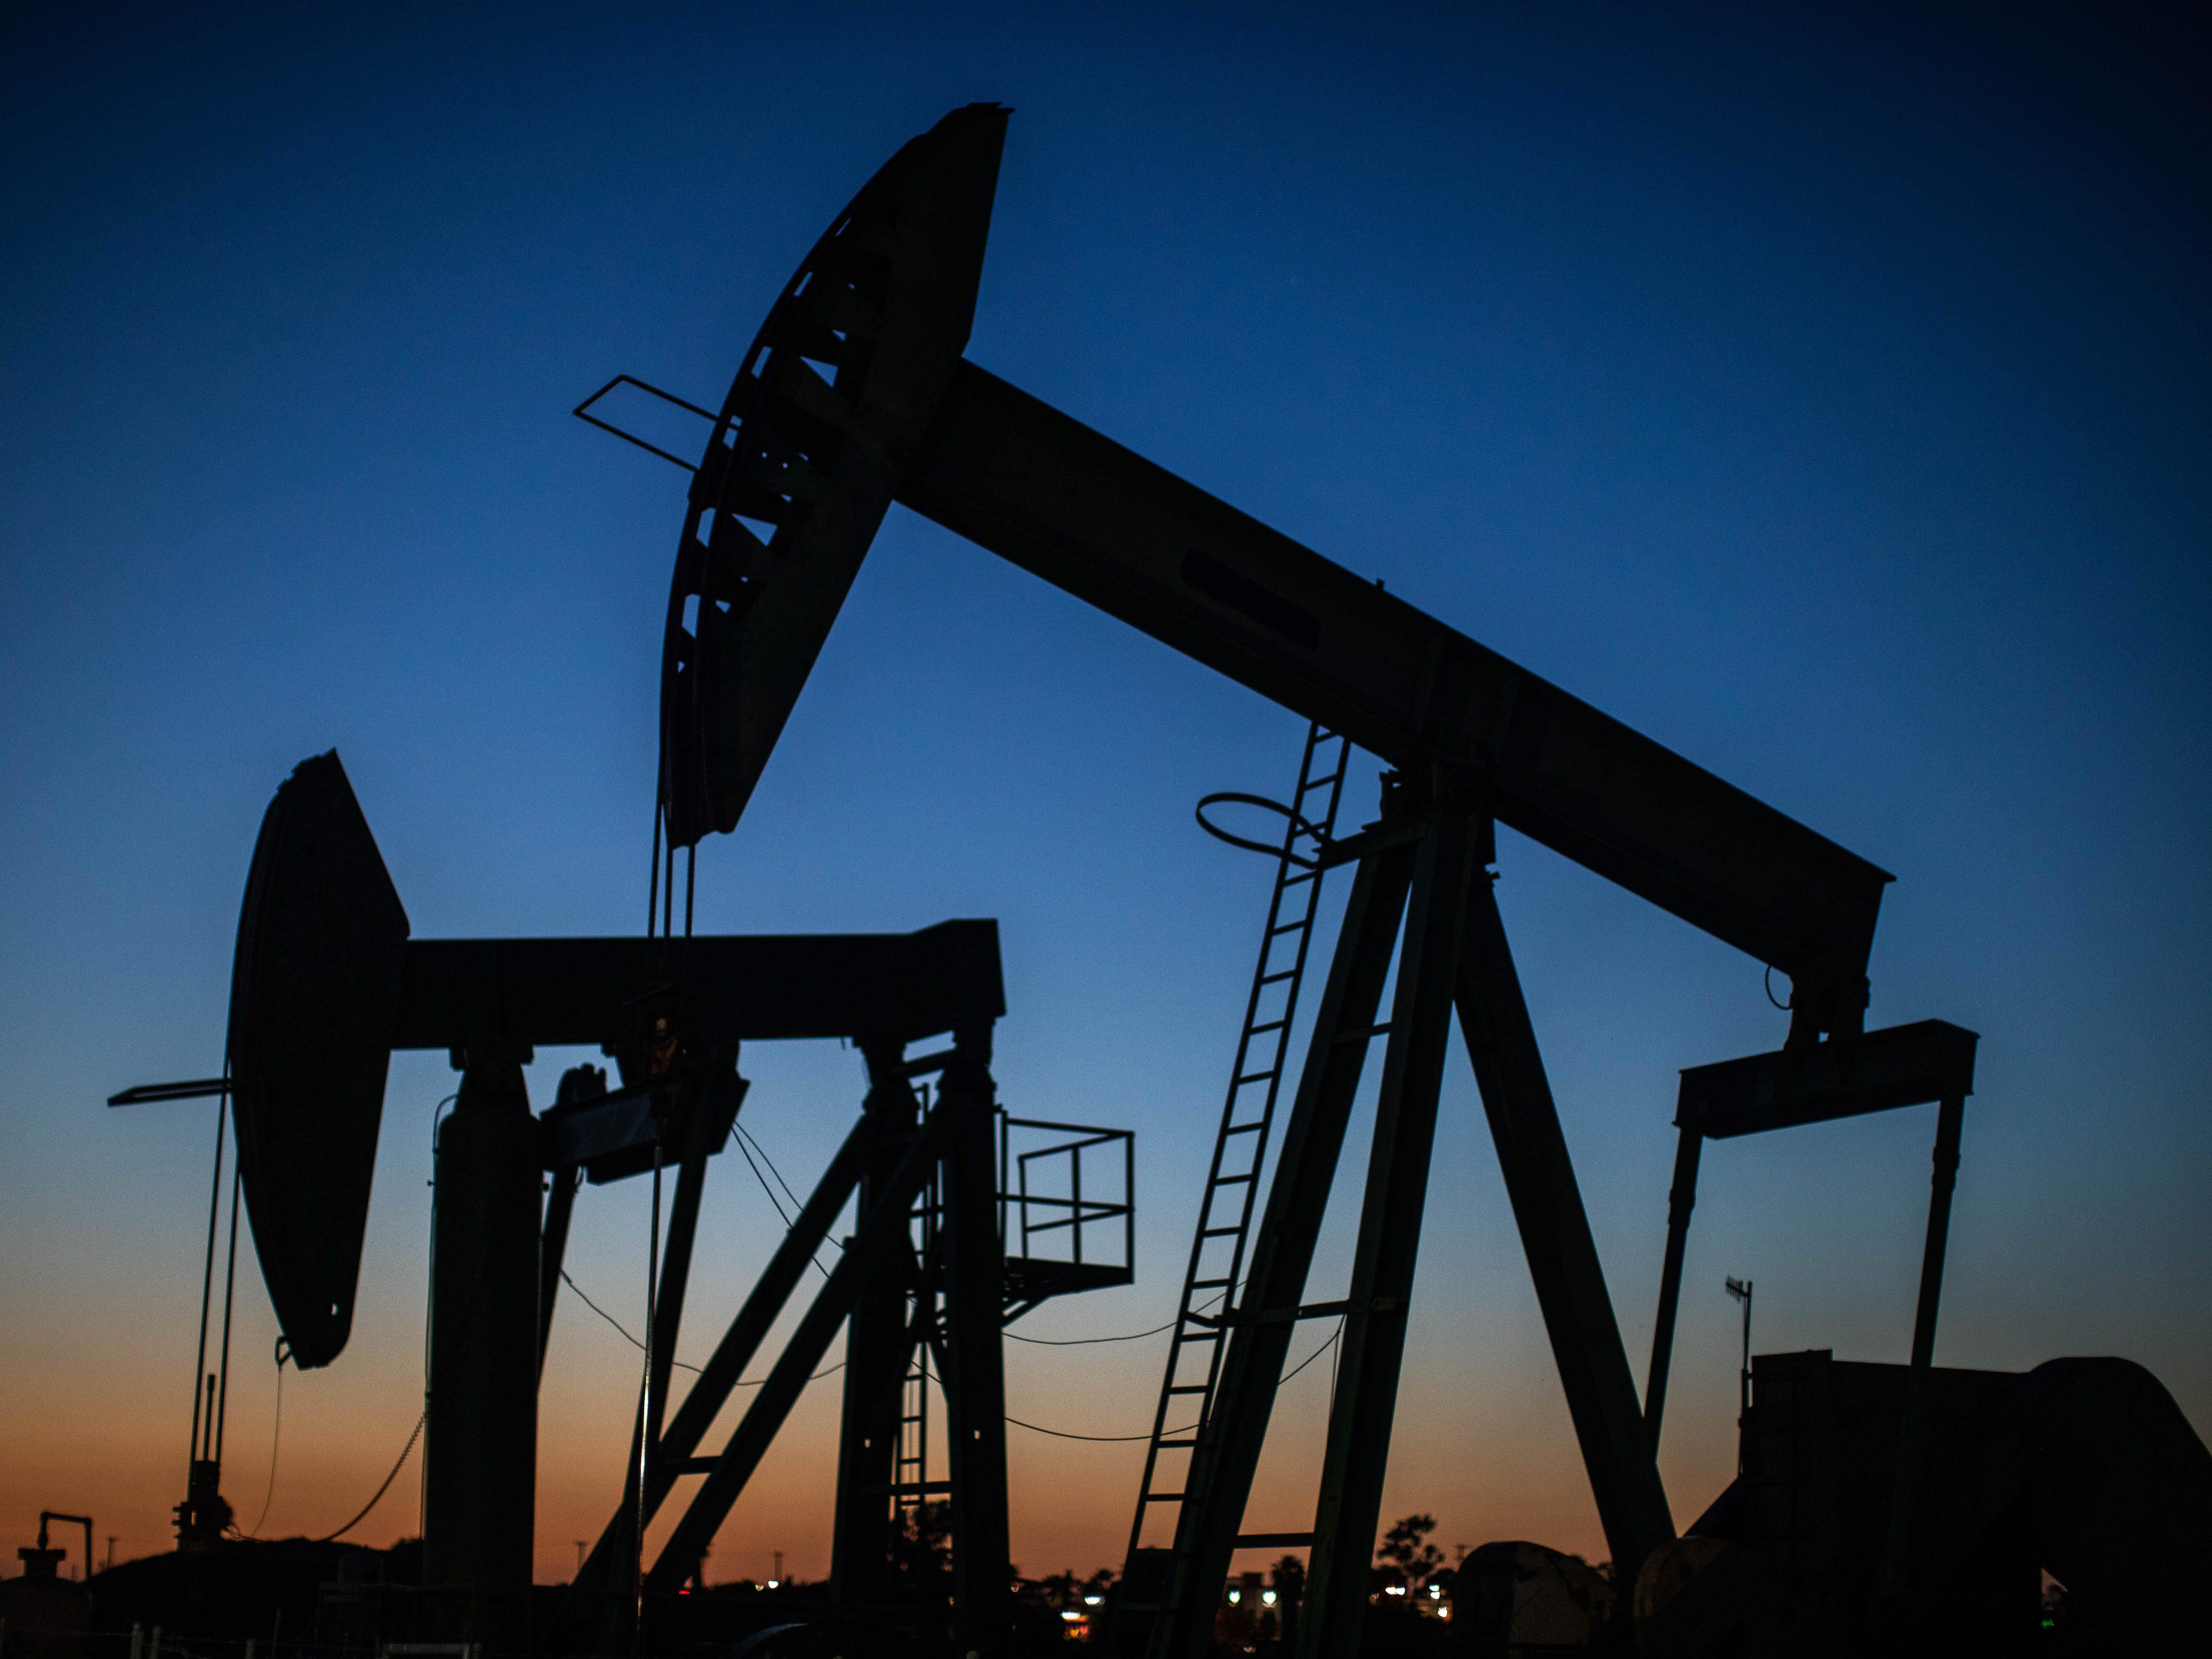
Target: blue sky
1827	397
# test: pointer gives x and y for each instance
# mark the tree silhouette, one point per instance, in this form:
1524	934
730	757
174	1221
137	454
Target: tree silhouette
1406	1549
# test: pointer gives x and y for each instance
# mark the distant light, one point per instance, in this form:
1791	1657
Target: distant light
773	1583
1394	1589
1235	1597
1071	1615
1268	1596
1444	1612
1092	1601
1436	1592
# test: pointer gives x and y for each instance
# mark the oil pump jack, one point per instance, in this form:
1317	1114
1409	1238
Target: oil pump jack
328	983
854	395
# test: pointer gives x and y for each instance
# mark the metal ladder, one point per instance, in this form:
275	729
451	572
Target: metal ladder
1240	1148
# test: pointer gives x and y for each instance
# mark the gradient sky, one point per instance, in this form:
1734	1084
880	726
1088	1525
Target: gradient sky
1827	397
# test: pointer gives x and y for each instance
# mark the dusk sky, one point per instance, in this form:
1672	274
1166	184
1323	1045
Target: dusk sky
1826	396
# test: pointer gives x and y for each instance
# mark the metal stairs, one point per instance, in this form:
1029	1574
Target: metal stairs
1240	1151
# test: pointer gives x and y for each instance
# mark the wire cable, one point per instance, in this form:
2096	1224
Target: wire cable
417	1434
623	1331
1086	1342
776	1203
276	1440
617	1323
755	1140
1063	1434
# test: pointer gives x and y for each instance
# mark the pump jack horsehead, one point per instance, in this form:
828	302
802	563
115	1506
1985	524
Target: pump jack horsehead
855	395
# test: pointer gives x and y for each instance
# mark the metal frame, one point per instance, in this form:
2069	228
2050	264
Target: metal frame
854	394
1930	1061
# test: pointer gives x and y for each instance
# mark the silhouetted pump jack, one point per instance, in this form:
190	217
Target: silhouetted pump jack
855	394
328	983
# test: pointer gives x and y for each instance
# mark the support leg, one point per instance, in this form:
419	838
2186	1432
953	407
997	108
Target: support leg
975	1382
882	1234
1681	1199
1904	1488
695	1146
1229	1441
552	1248
1547	1205
579	1616
1949	1121
877	1347
1366	1397
480	1459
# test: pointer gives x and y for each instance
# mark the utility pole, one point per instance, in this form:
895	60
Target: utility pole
1741	1290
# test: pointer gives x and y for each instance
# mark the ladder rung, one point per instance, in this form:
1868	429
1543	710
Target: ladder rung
1187	1388
1271	979
1220	1232
1362	1035
1177	1445
1163	1498
1301	879
1287	927
1245	1129
1231	1180
1207	1283
1272	1025
1253	1077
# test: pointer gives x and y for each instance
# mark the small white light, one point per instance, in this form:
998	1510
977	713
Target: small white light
1092	1601
1235	1597
773	1583
1268	1596
1396	1589
1436	1592
1071	1615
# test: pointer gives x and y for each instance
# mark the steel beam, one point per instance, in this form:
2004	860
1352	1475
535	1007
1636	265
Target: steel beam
1229	1441
873	1245
1040	488
1547	1205
1365	1404
1872	1071
547	993
974	1379
718	1377
877	1347
697	1140
552	1248
480	1451
1681	1199
1943	1178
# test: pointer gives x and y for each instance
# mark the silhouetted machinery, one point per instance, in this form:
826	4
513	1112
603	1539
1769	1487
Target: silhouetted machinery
1864	1486
328	983
855	395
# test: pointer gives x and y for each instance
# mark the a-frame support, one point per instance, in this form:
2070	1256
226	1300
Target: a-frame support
889	1158
1425	862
